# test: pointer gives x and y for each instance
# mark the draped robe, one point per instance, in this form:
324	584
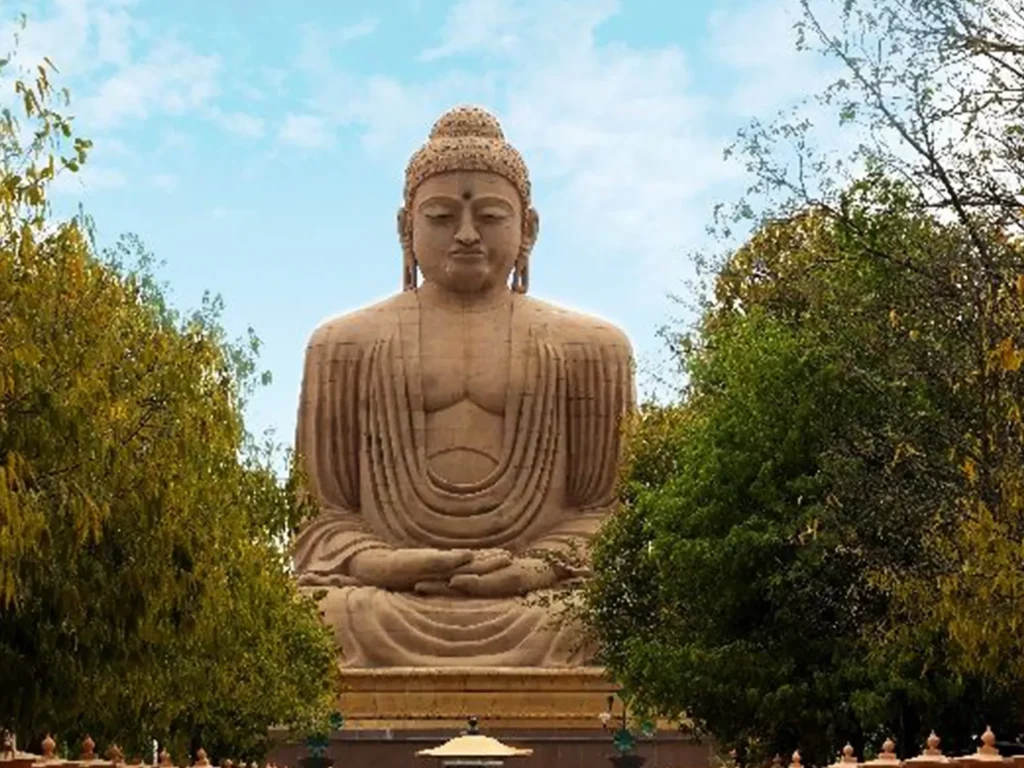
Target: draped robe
362	439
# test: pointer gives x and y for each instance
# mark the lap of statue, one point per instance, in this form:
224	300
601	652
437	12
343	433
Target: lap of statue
381	628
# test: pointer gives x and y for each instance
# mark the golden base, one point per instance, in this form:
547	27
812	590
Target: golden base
409	698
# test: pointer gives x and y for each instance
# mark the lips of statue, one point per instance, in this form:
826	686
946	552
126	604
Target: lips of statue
466	230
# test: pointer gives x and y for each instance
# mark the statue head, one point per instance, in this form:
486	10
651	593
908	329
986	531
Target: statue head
466	221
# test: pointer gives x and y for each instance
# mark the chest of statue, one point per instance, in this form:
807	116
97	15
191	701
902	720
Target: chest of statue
465	376
465	357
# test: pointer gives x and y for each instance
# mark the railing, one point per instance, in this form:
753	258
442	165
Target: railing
986	756
10	757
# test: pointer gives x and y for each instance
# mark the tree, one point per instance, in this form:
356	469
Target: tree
933	91
774	517
144	589
890	438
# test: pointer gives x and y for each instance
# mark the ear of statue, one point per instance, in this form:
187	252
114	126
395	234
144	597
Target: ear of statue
532	228
521	272
409	272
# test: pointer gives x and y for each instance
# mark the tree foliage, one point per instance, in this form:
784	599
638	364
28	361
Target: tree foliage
933	91
144	589
822	462
833	513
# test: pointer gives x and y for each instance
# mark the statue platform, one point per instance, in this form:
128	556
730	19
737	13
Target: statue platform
502	697
392	713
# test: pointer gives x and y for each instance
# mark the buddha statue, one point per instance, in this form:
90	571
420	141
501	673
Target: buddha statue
461	438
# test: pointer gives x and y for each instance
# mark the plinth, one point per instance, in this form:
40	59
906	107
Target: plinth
503	698
391	714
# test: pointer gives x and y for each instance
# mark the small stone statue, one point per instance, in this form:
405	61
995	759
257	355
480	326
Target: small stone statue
7	745
461	438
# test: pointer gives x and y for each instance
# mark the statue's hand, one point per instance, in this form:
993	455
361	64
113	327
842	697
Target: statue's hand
522	575
402	569
484	561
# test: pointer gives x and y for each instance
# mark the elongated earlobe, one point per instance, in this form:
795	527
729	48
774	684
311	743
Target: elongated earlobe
410	273
521	274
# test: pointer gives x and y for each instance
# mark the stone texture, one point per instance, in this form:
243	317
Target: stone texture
408	699
461	438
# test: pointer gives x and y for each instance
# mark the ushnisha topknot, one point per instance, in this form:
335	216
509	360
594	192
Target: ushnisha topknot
467	138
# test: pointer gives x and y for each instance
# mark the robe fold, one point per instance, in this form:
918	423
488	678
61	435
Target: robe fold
362	438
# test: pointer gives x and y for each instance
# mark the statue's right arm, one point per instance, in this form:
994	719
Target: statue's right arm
327	442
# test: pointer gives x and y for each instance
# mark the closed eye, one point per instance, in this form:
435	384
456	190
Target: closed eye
492	216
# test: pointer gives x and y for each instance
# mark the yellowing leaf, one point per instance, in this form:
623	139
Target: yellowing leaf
1007	356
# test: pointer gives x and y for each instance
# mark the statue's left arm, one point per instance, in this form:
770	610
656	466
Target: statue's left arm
600	391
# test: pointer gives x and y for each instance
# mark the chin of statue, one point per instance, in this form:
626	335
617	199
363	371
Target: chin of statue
466	278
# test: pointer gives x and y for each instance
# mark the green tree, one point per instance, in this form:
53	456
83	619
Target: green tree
818	463
848	450
932	92
144	589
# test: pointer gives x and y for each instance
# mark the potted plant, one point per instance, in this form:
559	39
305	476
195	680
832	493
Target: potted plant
624	735
317	744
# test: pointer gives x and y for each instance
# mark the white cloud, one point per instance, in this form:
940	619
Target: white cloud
172	139
172	78
274	79
238	123
318	43
363	28
114	29
251	92
113	146
91	178
63	36
757	40
315	50
390	115
306	131
167	182
481	24
93	44
620	136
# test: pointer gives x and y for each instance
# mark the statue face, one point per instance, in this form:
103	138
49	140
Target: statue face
466	230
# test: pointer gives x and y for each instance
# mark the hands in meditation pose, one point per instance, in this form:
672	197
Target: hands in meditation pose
461	438
486	572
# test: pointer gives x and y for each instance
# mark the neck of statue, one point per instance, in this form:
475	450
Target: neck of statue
433	295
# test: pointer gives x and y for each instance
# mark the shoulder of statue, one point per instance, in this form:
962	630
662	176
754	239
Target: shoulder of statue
568	327
360	327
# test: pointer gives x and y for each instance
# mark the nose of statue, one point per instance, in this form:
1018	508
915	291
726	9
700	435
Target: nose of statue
466	234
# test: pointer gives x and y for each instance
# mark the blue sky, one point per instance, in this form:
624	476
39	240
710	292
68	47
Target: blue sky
258	148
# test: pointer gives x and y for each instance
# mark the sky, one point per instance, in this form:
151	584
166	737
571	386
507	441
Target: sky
258	148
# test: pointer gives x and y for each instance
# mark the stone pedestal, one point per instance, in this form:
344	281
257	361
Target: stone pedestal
390	714
414	699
